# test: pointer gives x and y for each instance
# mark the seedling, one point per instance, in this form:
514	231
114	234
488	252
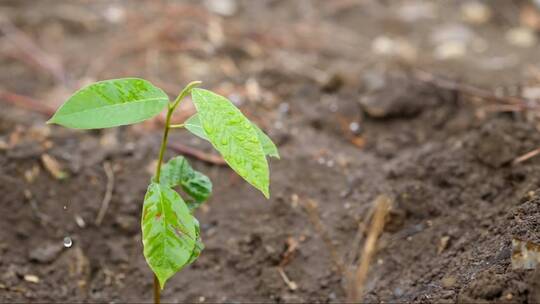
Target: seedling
170	233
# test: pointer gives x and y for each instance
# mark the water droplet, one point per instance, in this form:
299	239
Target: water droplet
354	127
68	242
65	207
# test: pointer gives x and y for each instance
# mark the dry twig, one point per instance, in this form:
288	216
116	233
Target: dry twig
200	155
108	193
311	207
517	103
382	204
26	102
291	284
526	156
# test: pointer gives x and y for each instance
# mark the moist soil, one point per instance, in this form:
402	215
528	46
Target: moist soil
457	204
457	198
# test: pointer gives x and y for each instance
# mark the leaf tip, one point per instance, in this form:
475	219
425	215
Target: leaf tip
266	193
51	120
162	283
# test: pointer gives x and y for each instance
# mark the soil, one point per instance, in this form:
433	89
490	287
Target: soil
346	136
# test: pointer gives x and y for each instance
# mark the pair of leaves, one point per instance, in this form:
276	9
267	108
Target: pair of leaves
243	145
130	100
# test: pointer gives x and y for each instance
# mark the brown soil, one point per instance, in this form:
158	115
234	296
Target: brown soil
457	199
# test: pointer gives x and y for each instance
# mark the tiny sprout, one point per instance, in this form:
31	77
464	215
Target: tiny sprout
170	232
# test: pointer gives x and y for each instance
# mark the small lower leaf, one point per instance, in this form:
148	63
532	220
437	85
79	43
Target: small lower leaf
169	232
178	172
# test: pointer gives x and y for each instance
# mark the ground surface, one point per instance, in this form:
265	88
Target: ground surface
335	84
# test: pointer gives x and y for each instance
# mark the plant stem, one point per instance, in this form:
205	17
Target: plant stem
164	142
168	126
156	290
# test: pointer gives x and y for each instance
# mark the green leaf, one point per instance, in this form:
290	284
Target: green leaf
177	171
199	246
233	135
169	232
193	124
111	103
268	146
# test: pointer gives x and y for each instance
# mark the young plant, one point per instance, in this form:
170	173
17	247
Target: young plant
170	232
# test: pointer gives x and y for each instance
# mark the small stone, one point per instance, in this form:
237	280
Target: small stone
115	14
443	244
222	7
531	92
448	281
31	278
45	253
383	45
399	47
80	221
521	36
450	50
475	12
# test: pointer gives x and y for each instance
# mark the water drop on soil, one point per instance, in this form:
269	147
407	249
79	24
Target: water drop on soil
68	242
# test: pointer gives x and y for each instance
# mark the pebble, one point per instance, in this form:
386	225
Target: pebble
475	12
443	244
80	221
399	47
531	92
450	50
115	14
45	253
31	278
521	36
448	281
222	7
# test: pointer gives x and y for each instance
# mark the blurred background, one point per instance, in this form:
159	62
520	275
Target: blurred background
427	102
